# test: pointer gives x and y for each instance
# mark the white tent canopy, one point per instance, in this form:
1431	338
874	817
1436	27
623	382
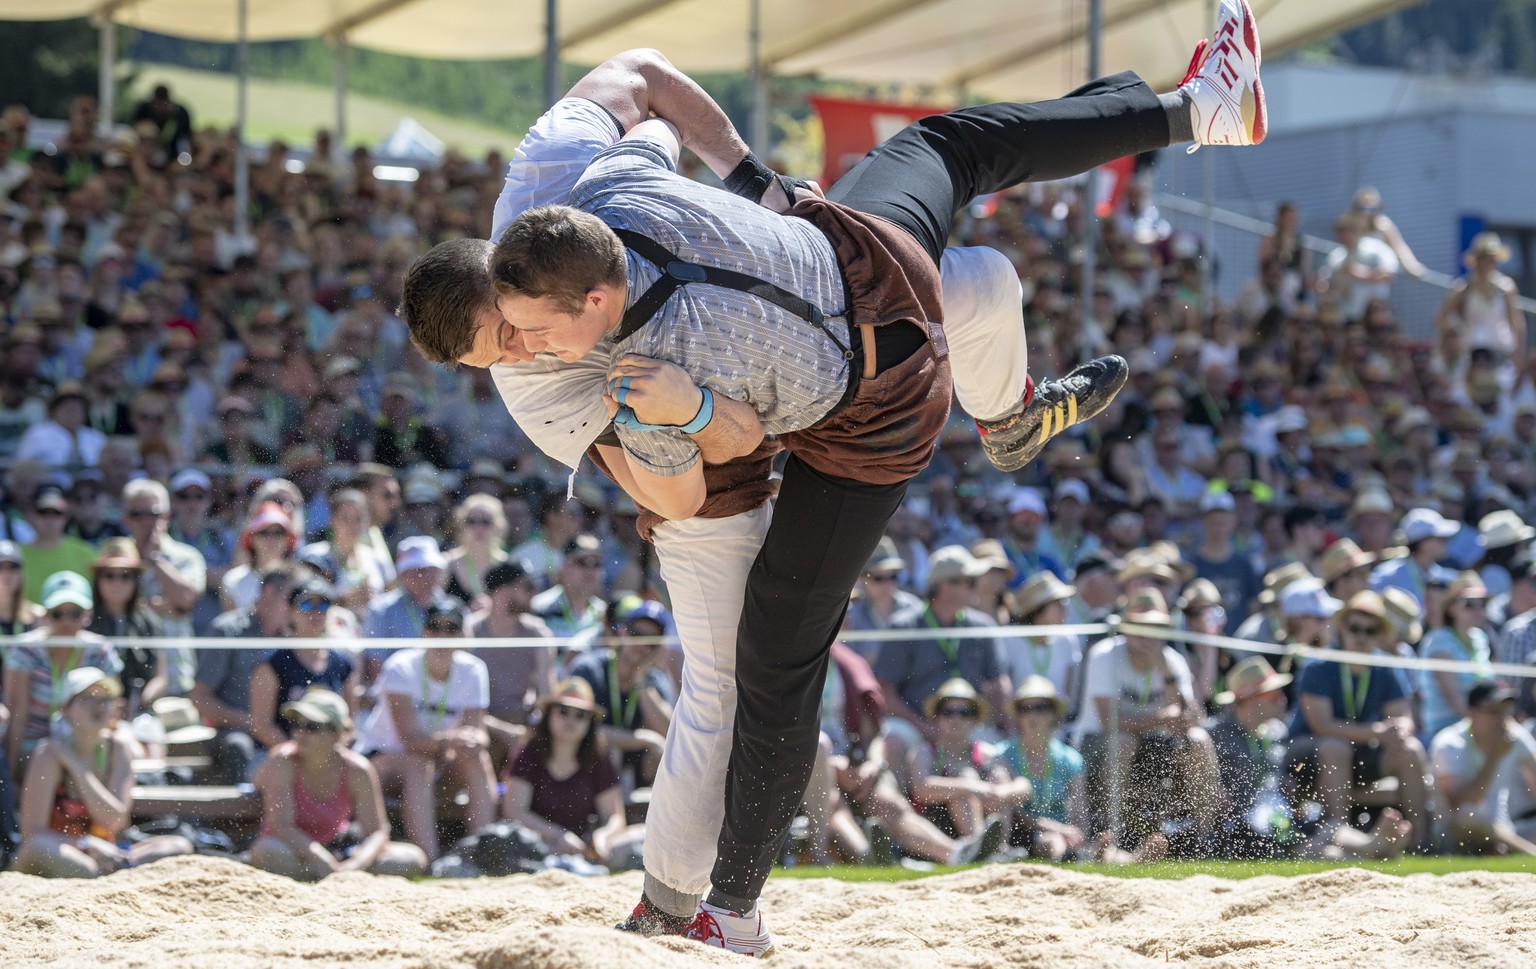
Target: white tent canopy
1007	49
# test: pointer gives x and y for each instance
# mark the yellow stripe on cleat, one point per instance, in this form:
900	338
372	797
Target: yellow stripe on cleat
1071	411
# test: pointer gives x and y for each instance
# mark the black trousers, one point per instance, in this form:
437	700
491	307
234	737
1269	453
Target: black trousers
825	527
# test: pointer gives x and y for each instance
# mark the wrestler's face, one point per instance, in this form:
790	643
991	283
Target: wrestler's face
546	329
496	341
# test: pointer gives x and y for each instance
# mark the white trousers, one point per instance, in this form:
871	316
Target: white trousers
705	561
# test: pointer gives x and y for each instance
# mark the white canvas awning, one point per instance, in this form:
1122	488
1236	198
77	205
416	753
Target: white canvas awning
1014	49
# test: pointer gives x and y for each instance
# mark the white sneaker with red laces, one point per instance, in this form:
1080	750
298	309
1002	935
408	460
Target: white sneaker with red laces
1223	81
724	929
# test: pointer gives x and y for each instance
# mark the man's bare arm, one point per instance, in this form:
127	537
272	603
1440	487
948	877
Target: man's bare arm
637	84
673	498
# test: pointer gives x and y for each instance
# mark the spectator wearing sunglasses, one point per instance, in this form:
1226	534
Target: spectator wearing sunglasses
1055	824
575	606
64	440
633	680
35	674
562	785
268	539
426	732
119	610
479	535
322	807
957	783
52	550
284	675
879	597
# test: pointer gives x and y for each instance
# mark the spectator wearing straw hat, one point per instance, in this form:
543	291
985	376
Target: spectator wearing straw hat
1485	305
118	610
992	586
1485	768
1505	535
1245	735
879	596
1426	533
1353	723
956	782
1055	823
1371	515
1345	568
1217	559
1201	608
911	670
1462	636
1042	601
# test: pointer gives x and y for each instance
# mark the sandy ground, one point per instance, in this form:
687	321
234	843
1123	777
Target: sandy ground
211	913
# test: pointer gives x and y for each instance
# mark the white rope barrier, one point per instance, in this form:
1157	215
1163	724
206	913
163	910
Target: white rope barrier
862	636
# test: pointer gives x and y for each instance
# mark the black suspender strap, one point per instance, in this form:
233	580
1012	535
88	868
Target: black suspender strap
676	272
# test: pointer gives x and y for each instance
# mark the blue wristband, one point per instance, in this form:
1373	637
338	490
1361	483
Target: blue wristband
704	416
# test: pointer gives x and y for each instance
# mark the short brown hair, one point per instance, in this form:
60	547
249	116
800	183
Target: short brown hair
558	252
442	294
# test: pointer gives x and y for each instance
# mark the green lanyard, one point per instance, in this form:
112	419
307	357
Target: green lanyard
1145	693
1041	669
950	647
442	700
1355	690
1258	747
56	679
1470	654
1042	782
630	699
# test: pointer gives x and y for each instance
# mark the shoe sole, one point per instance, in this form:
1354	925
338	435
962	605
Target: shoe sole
1255	109
1025	448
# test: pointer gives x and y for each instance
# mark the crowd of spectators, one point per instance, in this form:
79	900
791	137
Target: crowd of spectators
212	434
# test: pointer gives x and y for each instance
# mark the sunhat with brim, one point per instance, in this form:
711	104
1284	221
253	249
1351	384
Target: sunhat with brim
1343	556
1466	585
10	551
955	689
1141	562
990	552
1489	244
1501	529
885	558
118	553
1369	603
1037	687
66	588
1200	594
575	693
1276	580
1250	678
954	562
181	721
324	707
1042	589
1147	607
1170	553
1405	613
83	678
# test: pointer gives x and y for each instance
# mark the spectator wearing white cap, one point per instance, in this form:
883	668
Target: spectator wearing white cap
1290	457
1425	532
1217	559
1306	610
402	612
1024	542
1065	538
191	498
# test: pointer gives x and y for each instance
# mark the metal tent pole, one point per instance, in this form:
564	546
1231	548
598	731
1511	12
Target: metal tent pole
1090	228
757	135
551	53
242	159
106	81
340	51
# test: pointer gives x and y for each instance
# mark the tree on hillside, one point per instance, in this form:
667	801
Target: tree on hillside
45	65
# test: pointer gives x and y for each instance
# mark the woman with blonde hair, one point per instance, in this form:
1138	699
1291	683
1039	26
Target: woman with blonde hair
361	572
1484	306
479	531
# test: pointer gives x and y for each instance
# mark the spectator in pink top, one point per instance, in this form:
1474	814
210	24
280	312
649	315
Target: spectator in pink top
322	810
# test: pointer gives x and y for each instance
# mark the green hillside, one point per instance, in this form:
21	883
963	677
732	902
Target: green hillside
292	110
